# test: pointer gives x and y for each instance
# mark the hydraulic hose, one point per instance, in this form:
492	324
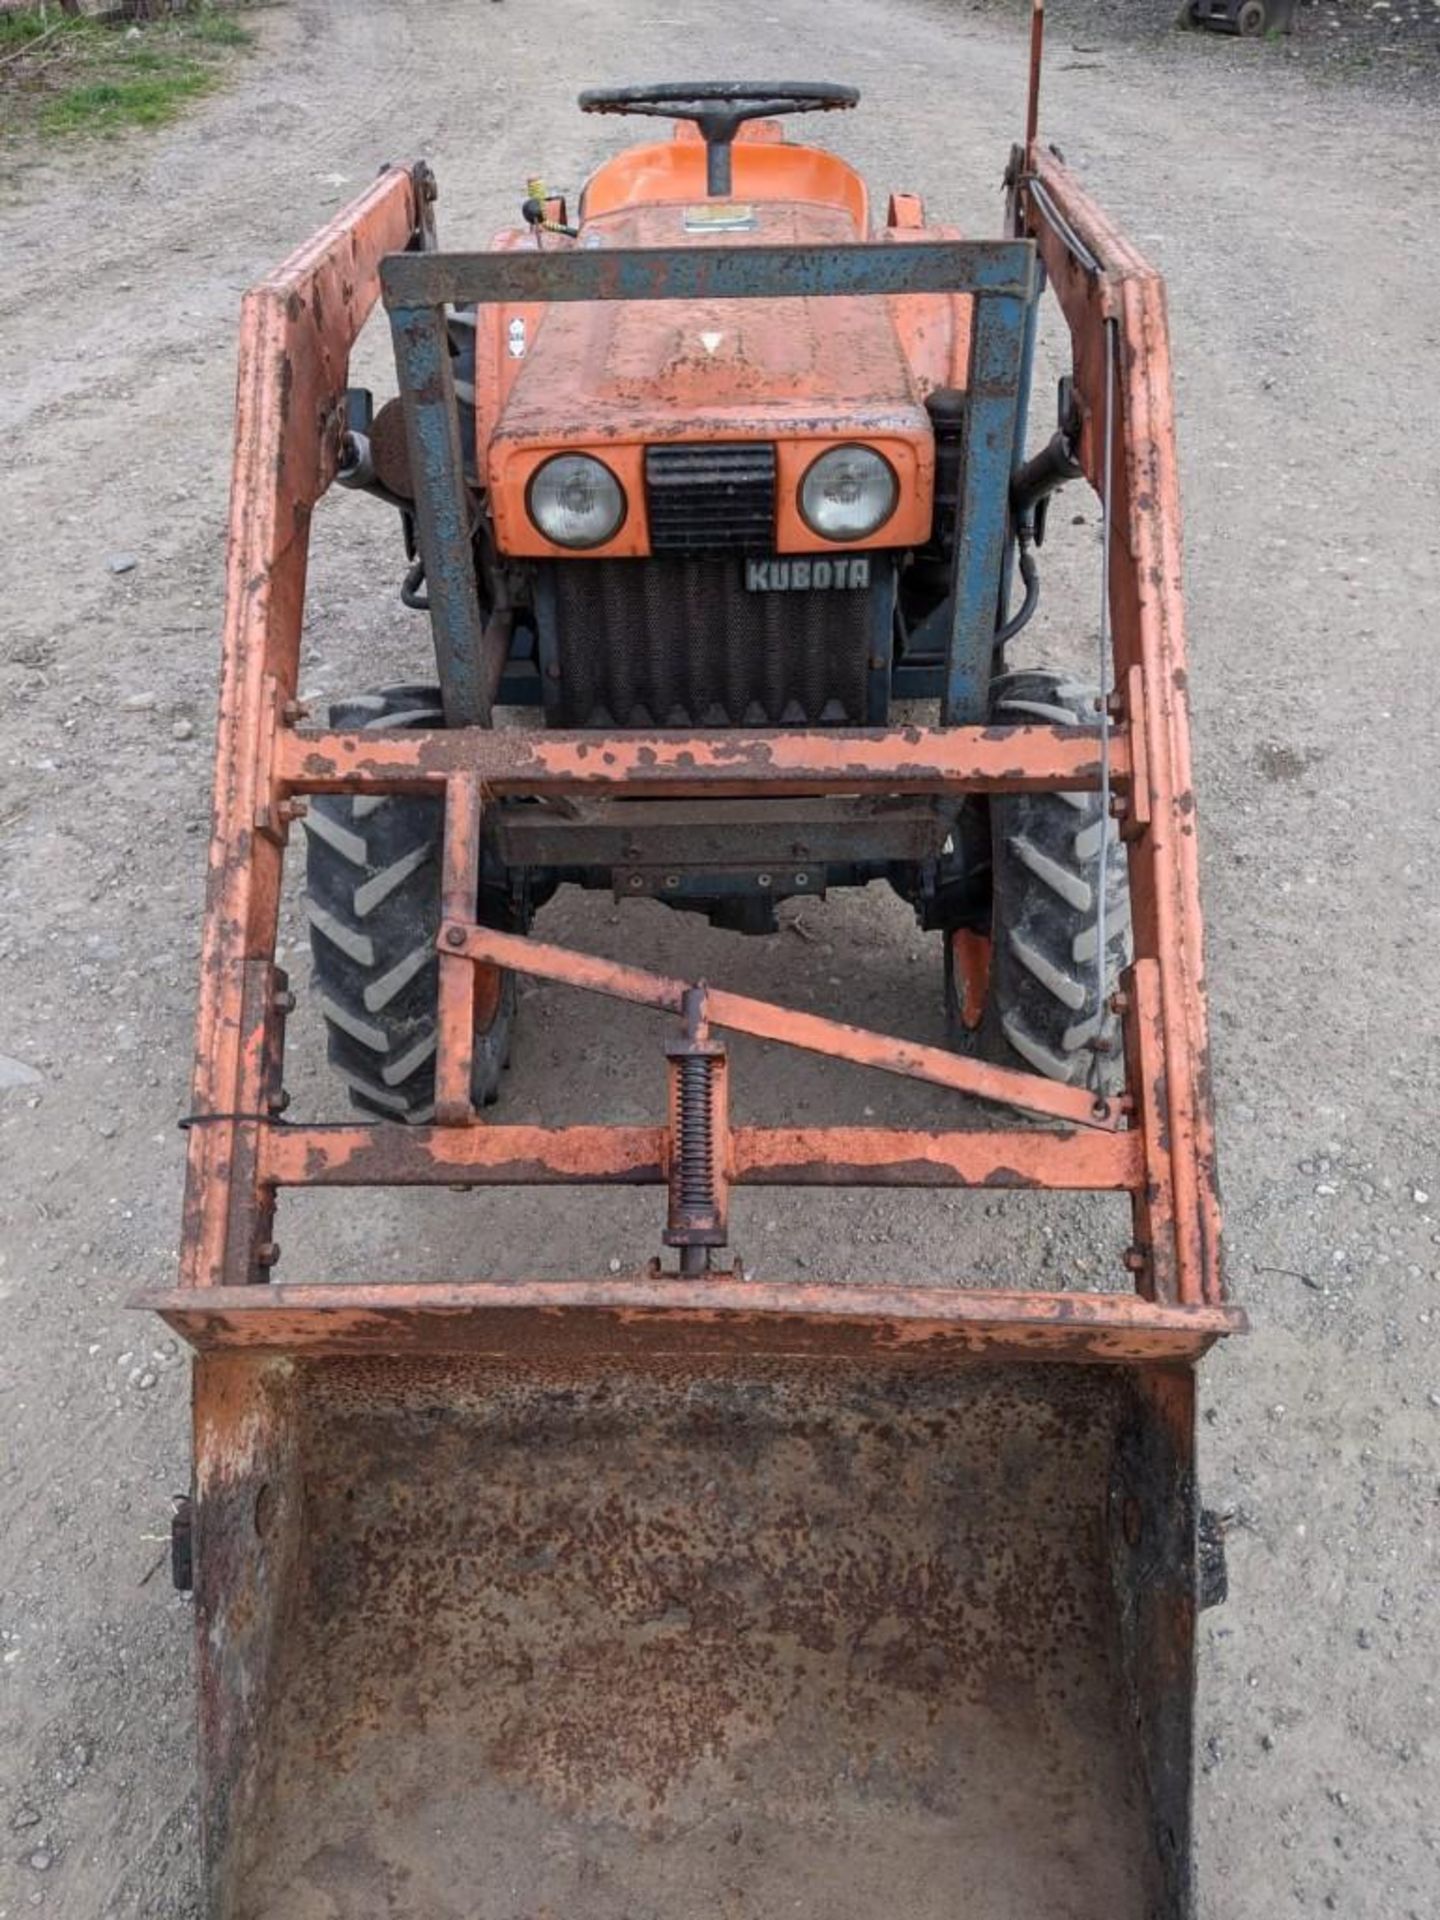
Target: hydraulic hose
1030	576
1030	488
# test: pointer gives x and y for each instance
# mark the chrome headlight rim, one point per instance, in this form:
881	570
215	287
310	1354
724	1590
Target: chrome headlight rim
849	535
578	456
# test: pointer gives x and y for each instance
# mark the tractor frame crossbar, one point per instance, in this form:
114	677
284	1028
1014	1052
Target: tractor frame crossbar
1152	1143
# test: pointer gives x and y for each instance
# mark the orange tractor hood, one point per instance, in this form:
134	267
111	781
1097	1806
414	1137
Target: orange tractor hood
613	377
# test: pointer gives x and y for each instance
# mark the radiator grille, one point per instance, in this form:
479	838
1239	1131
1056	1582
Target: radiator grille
671	642
711	499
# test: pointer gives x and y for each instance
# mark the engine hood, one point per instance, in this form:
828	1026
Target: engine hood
611	375
660	368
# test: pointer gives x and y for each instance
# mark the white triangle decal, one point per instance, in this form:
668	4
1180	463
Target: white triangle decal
710	341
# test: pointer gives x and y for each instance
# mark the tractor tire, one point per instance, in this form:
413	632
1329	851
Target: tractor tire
372	880
1045	1010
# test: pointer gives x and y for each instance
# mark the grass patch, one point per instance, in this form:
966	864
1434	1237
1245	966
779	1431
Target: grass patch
62	77
219	29
19	29
147	100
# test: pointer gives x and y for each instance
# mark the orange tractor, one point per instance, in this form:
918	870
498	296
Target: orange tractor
681	1590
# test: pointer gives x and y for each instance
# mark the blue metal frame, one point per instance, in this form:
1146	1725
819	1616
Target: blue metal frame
985	267
1022	413
444	531
997	351
1000	274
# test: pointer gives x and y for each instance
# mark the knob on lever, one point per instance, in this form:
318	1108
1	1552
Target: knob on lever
544	211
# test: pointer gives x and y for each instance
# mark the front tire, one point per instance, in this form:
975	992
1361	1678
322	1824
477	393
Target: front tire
1046	1009
372	876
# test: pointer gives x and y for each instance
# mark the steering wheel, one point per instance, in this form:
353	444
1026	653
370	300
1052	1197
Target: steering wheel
719	109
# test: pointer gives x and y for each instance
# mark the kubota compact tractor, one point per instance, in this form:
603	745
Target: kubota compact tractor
700	515
684	1590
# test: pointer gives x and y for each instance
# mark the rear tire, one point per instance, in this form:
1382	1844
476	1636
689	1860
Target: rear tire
1045	1008
372	878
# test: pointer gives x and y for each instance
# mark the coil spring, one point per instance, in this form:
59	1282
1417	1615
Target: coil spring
697	1140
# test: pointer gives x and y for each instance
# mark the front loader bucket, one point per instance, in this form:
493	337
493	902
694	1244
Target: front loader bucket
685	1631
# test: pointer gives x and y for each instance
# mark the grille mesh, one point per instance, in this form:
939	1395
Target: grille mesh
671	642
711	498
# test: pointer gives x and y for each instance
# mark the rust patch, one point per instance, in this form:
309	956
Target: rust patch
695	1641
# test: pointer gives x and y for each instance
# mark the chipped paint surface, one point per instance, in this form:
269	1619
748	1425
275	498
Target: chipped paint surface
897	760
567	1638
663	1312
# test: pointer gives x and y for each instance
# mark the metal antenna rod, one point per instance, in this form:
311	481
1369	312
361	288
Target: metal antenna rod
1037	53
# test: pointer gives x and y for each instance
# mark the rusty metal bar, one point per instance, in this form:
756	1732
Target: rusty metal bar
693	1316
1161	1267
890	761
792	1028
297	329
389	1156
394	1156
1003	268
459	884
468	656
1100	277
883	1157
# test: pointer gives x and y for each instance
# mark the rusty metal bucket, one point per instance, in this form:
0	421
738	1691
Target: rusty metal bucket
686	1631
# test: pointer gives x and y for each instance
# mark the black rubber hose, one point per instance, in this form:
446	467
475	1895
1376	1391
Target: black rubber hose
1030	575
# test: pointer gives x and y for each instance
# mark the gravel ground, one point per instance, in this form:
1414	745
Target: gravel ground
1291	210
1395	43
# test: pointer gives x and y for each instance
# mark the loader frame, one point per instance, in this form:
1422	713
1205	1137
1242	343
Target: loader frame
1153	1143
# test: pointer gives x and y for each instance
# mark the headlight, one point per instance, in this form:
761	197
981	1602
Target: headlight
576	501
848	493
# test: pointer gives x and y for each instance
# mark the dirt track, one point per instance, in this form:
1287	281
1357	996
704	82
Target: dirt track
1294	225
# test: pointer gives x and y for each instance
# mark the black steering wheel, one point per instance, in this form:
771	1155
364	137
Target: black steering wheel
719	109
